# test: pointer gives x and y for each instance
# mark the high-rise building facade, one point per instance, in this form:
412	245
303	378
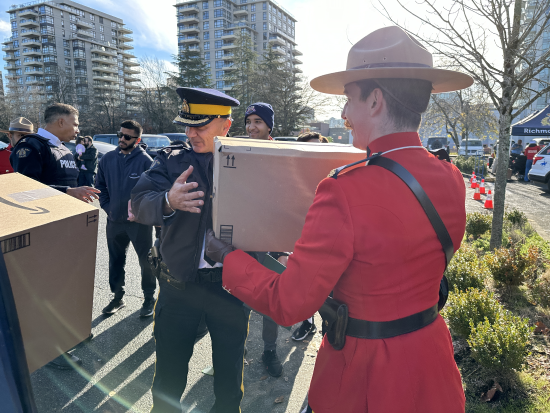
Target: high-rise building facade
211	27
64	44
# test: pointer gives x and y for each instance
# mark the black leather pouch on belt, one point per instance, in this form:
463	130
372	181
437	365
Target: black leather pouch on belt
335	322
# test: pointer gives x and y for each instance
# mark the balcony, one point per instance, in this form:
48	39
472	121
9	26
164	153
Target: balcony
30	33
229	36
230	67
34	81
189	29
85	33
240	13
280	51
296	52
193	18
191	8
34	62
130	62
127	55
103	51
125	30
104	68
125	38
105	78
8	48
129	78
12	77
130	71
229	46
83	25
28	13
32	52
228	56
125	46
31	42
130	85
9	66
296	61
189	40
105	86
9	57
29	23
103	59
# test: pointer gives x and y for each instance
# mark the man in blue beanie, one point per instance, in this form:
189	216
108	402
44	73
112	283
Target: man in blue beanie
259	119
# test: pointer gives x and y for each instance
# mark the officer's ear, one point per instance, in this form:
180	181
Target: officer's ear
226	126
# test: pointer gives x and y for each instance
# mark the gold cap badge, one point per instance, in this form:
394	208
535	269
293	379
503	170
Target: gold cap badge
185	106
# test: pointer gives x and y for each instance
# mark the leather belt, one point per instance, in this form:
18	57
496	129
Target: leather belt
164	274
387	329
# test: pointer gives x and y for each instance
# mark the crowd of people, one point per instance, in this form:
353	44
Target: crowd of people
377	257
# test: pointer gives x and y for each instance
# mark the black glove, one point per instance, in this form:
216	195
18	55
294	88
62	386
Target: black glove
217	249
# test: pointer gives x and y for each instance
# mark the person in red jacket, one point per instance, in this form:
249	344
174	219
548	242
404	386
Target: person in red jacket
530	153
18	128
367	238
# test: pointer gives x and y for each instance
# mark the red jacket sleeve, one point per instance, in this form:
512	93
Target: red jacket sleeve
321	255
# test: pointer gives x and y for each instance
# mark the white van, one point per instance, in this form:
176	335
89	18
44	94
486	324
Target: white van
475	147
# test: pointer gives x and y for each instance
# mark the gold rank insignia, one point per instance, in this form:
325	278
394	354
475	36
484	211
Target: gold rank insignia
331	173
185	106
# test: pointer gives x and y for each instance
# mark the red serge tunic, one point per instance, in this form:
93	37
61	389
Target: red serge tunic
367	238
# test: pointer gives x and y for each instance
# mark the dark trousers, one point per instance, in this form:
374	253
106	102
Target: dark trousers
86	178
178	314
119	235
270	332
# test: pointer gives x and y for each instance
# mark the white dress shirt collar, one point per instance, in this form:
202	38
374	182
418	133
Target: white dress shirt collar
54	140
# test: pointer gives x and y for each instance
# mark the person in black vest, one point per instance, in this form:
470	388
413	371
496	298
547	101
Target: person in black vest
118	172
88	163
44	157
176	194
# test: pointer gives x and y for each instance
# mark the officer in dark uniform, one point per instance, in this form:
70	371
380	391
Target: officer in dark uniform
43	156
176	194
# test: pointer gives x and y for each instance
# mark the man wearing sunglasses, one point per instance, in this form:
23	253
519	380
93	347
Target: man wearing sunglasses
117	174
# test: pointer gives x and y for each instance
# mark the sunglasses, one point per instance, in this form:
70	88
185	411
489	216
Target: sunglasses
127	137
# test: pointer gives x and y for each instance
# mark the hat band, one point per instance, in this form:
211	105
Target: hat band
20	130
202	109
389	65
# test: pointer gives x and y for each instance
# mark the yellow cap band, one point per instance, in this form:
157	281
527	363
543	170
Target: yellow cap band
198	109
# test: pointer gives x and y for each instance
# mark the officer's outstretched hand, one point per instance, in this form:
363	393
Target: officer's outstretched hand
84	193
216	249
180	197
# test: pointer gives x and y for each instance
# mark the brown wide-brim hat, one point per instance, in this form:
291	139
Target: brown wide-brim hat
391	53
21	125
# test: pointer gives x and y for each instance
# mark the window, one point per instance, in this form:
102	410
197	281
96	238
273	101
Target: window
49	49
218	34
113	24
265	15
220	74
50	58
113	33
66	43
206	55
219	13
73	27
265	26
102	36
265	36
100	20
205	25
66	52
67	62
204	5
220	84
253	7
218	44
101	29
265	45
207	64
219	64
206	35
79	53
217	3
92	17
206	46
14	24
205	15
253	17
253	26
219	23
14	33
264	6
219	54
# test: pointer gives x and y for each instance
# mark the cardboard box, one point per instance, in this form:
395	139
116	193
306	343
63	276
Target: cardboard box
49	242
263	189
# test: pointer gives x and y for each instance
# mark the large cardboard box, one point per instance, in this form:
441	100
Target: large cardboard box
263	189
49	244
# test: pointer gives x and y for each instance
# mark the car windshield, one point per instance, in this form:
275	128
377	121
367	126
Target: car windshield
156	141
471	142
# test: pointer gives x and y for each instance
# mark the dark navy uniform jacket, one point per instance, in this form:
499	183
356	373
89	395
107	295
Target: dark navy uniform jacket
183	233
34	156
117	175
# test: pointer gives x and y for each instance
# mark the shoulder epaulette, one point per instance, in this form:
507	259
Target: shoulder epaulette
334	173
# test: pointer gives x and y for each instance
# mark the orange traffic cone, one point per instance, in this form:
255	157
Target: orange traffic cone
489	201
482	187
477	195
472	177
474	183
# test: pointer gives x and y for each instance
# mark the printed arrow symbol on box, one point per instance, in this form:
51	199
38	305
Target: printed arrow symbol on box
228	159
35	212
233	160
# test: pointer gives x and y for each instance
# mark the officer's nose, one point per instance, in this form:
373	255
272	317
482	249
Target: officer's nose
343	114
191	132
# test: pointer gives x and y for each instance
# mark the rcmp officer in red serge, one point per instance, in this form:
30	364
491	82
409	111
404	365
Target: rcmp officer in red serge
176	195
368	239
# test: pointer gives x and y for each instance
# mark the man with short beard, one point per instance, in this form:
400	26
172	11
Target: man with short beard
89	162
118	173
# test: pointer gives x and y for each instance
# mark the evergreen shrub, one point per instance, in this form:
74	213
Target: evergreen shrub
509	266
478	224
466	270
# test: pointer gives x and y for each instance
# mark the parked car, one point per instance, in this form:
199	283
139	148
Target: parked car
176	137
540	171
437	142
542	142
475	147
153	142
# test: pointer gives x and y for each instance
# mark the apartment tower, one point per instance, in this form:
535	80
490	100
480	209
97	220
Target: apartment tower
212	26
64	42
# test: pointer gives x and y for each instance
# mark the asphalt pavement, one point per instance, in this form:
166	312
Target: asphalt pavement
118	363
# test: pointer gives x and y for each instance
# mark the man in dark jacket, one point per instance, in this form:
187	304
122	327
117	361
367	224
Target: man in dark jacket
118	172
89	163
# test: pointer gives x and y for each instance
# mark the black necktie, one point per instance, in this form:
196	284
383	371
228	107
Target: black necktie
208	206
